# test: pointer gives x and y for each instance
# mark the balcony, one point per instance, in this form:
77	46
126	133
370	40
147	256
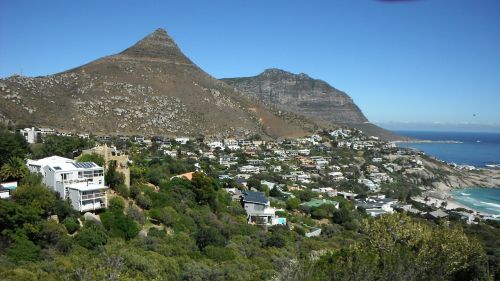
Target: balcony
93	196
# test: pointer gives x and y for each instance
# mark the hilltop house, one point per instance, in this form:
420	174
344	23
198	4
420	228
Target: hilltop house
82	183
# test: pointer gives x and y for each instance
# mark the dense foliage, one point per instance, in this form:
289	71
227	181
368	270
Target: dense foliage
166	228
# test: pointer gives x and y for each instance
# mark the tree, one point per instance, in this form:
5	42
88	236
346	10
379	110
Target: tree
209	236
12	146
36	196
92	157
63	146
14	169
292	203
342	215
112	177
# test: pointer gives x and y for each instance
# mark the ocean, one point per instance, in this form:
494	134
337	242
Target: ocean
477	149
484	200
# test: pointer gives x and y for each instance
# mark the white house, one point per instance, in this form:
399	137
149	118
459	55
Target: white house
81	182
249	169
30	134
215	145
182	140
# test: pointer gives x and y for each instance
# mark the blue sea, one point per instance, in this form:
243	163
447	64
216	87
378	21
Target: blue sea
484	200
477	149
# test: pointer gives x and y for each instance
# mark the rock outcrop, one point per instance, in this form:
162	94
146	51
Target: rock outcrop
303	95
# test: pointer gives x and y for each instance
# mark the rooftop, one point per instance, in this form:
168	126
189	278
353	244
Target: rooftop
319	202
63	164
254	197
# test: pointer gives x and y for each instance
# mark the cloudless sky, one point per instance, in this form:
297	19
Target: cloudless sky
425	61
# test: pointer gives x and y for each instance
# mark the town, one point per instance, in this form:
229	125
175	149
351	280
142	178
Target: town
305	180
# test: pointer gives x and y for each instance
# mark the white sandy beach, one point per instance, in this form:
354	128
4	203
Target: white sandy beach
450	203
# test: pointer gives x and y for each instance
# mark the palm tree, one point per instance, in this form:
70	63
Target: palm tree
14	169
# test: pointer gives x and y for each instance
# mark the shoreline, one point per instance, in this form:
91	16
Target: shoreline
436	200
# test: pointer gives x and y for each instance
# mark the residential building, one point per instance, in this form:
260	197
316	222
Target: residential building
258	208
249	169
34	135
81	182
182	140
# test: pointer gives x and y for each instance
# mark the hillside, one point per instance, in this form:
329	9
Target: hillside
149	88
303	95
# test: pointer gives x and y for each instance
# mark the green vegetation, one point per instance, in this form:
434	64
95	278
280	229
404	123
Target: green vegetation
196	232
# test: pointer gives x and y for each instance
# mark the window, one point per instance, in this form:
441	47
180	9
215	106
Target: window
88	174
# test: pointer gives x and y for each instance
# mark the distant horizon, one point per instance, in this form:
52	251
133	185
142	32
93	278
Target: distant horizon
433	127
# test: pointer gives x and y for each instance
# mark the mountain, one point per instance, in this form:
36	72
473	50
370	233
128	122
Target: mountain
303	95
149	88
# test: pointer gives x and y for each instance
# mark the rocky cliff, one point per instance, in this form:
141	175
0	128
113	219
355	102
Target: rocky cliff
303	95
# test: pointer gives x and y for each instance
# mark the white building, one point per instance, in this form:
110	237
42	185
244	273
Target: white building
259	210
82	183
30	134
34	135
215	145
182	140
249	169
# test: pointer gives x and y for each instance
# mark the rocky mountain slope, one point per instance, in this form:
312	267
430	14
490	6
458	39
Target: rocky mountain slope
150	88
303	95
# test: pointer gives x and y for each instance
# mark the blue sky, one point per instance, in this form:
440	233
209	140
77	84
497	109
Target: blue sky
403	62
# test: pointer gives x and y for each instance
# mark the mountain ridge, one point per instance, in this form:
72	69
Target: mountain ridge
303	95
148	88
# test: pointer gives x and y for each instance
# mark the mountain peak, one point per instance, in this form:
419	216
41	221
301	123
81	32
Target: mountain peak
275	71
272	72
157	44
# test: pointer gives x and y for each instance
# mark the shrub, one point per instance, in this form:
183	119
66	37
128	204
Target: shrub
91	236
136	214
144	201
22	250
65	244
116	204
71	224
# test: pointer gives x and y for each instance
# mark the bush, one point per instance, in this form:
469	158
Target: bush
168	216
155	232
123	190
209	236
119	225
143	201
50	232
136	214
71	224
292	203
65	244
116	204
134	191
91	236
22	250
